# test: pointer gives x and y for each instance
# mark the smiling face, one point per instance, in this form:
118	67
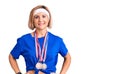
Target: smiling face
40	11
41	21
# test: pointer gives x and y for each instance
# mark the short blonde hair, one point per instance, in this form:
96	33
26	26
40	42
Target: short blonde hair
31	17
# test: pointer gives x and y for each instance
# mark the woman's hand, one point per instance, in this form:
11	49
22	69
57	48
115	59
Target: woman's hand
40	72
62	73
66	64
31	72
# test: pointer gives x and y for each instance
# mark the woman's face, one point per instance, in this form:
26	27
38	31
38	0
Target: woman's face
41	21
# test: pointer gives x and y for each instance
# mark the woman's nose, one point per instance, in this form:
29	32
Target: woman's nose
40	19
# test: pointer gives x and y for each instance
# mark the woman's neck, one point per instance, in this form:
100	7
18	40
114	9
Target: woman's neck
41	33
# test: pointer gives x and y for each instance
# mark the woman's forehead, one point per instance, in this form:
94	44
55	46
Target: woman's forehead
41	11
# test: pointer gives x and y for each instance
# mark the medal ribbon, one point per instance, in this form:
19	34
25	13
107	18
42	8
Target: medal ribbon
41	52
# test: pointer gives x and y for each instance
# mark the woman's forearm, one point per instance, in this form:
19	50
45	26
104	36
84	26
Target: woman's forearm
14	64
66	64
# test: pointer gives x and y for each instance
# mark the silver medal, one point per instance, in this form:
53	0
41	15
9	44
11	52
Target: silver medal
41	52
44	66
39	65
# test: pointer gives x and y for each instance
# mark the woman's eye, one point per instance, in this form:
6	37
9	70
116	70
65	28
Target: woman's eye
44	16
36	17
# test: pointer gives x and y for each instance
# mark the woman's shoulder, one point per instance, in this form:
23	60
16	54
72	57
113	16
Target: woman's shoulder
25	36
54	36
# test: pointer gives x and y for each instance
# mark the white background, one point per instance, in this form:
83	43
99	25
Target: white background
90	29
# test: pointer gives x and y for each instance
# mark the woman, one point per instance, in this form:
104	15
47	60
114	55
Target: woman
40	48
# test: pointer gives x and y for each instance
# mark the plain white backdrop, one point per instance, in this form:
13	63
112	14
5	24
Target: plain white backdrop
90	29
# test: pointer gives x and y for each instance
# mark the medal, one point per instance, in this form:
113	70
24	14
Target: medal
41	52
39	65
44	66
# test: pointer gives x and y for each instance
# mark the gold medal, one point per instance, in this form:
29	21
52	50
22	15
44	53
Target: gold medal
39	65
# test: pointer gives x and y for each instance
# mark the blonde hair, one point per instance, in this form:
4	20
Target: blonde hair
31	17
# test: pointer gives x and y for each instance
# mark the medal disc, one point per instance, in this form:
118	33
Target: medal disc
44	66
39	65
